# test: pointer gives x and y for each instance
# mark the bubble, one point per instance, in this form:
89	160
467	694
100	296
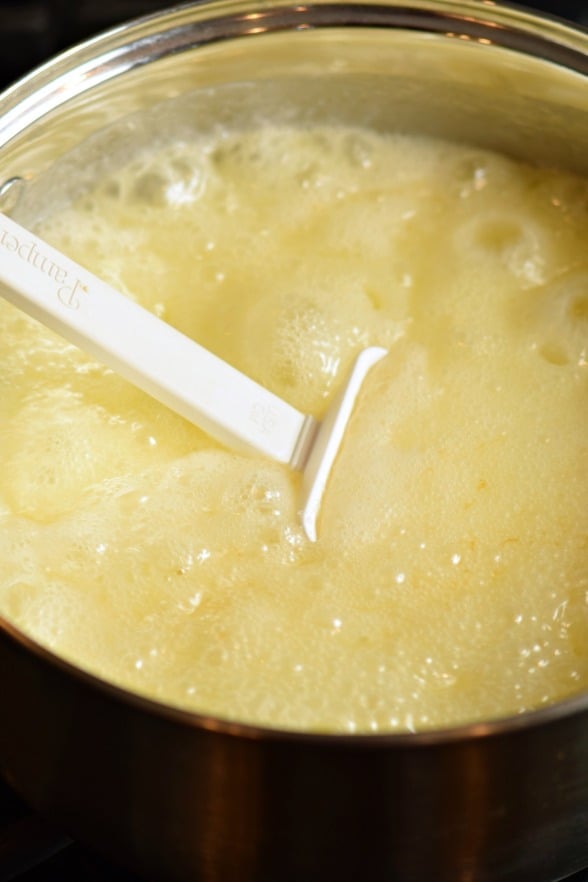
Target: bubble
58	449
558	320
190	559
516	242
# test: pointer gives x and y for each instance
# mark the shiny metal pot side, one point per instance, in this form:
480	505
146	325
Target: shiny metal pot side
176	796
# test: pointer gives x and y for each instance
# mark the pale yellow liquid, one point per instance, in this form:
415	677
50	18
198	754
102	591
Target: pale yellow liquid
450	579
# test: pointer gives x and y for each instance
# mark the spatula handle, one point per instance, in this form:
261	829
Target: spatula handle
145	350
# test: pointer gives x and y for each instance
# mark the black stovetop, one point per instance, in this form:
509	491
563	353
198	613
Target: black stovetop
31	31
32	850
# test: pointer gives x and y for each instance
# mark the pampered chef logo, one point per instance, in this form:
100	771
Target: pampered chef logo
69	289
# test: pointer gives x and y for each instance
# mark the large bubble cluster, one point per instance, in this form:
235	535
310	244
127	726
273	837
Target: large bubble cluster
449	582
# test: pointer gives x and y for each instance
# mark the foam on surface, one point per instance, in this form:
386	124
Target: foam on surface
449	582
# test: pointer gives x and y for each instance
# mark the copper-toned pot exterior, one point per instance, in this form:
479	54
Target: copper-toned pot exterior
179	797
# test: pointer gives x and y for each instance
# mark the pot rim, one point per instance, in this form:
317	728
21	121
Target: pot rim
201	22
119	49
499	726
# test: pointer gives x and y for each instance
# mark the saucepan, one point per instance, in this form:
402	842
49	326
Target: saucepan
174	795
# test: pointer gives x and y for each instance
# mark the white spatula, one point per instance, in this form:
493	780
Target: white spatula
174	369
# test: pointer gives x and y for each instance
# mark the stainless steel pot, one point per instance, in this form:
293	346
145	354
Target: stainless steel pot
177	796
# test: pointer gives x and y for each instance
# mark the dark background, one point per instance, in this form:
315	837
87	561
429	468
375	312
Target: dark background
33	30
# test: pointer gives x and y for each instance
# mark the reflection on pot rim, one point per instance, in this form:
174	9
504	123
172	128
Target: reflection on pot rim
487	729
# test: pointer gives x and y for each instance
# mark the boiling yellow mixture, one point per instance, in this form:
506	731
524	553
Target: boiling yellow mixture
450	579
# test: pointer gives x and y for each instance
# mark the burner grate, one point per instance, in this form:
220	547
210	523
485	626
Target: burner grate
31	850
